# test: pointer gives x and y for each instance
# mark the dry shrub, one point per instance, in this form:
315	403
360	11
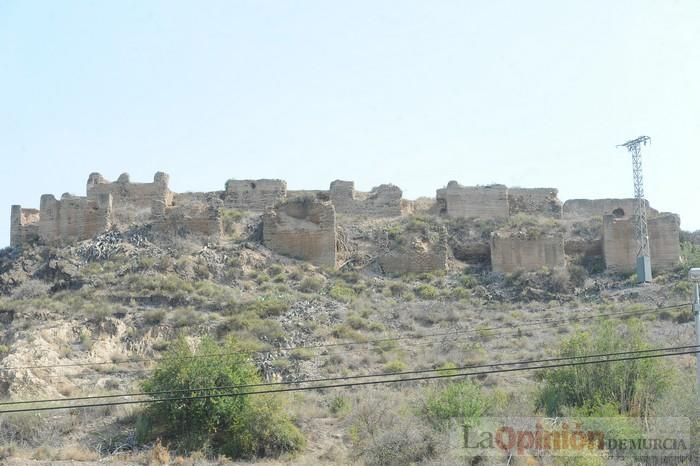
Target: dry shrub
385	434
75	453
159	455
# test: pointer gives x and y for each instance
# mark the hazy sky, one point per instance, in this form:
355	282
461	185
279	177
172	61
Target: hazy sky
416	93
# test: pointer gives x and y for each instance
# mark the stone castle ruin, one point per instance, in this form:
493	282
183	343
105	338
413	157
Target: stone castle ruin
304	224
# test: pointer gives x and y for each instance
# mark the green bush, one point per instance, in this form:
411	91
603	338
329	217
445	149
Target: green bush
275	269
268	306
342	293
632	386
691	255
345	332
458	401
394	366
310	285
393	232
468	281
460	293
185	317
153	316
236	426
340	406
425	291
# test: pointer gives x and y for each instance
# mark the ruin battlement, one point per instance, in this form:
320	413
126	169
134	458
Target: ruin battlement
302	223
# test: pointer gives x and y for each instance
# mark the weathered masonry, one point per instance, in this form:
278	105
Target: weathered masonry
302	223
302	228
61	221
255	195
620	244
497	201
512	252
586	208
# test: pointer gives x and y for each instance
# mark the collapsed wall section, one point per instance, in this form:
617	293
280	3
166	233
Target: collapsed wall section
484	202
620	244
73	218
535	201
417	253
385	200
24	226
303	228
512	252
197	218
255	195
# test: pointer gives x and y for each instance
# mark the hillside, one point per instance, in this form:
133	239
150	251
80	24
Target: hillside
92	318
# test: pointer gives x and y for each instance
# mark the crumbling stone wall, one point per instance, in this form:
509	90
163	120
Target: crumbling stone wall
73	218
342	195
620	244
24	226
131	196
255	195
303	228
535	201
199	218
485	202
513	252
586	208
416	254
320	194
382	201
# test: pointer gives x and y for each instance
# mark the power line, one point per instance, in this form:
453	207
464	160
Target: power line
358	343
351	377
364	383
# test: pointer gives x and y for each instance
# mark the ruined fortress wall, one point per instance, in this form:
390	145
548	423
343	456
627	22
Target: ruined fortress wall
535	201
417	256
485	202
664	241
342	195
73	218
24	226
382	201
255	195
620	244
511	253
587	208
303	228
317	193
202	218
194	198
128	195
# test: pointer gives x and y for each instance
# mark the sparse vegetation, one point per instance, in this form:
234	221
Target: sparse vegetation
122	309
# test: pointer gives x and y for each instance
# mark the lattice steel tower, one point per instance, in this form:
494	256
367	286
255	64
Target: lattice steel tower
640	209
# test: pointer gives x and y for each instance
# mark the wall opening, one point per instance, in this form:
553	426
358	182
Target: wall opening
618	213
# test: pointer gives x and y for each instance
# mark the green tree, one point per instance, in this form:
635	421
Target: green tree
236	426
458	401
632	386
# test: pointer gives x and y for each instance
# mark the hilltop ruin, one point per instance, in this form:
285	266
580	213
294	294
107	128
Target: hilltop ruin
304	224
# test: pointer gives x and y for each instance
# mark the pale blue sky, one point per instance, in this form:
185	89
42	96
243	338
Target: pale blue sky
529	93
